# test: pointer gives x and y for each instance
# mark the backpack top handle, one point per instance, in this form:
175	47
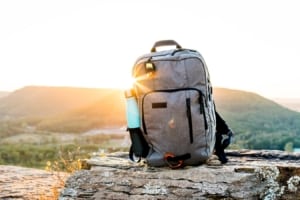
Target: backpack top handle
165	43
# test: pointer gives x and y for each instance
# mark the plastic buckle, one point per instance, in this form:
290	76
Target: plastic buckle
150	68
168	157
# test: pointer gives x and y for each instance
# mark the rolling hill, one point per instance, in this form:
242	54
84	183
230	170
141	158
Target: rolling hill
39	101
258	112
107	111
258	123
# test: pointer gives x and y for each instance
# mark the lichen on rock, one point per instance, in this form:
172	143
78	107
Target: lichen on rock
268	175
155	189
293	183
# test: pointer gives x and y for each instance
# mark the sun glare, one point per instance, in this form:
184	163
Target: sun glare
125	83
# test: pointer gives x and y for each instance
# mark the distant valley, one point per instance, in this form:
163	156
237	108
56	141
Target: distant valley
253	118
293	104
41	119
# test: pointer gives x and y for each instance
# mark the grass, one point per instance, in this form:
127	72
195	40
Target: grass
67	162
60	154
35	150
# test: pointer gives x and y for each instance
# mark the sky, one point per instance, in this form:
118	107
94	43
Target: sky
247	45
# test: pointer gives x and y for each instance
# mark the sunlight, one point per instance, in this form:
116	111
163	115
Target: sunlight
140	78
126	83
64	38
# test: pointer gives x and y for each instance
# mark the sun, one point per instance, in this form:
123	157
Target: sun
121	82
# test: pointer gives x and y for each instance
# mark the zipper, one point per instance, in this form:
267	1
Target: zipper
202	111
189	116
197	56
201	102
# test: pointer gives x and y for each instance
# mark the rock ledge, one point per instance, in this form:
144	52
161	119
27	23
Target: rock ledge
20	183
248	175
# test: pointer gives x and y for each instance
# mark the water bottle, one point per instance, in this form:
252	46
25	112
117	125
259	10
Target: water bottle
132	111
139	145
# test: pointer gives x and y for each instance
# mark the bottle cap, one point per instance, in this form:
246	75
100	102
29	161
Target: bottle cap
129	93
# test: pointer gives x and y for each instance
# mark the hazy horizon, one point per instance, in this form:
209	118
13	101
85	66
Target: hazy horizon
282	100
94	44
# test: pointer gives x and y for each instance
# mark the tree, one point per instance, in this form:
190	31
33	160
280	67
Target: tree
289	147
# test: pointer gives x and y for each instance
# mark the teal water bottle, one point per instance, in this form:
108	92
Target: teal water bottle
139	147
132	111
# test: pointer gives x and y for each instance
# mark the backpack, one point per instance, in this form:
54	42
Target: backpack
173	122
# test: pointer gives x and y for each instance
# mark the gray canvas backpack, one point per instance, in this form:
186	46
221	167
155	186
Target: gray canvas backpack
175	108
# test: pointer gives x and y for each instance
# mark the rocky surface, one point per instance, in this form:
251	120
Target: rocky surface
29	184
265	175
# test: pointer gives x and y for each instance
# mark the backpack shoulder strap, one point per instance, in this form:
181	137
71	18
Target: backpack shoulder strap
139	146
223	138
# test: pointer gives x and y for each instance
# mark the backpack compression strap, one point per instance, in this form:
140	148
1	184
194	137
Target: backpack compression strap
139	146
175	162
223	138
222	141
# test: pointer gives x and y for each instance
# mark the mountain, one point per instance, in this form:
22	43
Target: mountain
247	107
33	101
107	111
258	123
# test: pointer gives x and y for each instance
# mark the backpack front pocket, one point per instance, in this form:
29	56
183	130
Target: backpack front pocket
171	117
